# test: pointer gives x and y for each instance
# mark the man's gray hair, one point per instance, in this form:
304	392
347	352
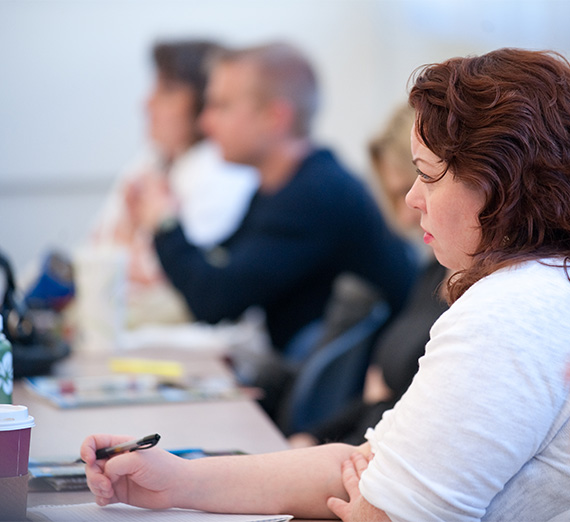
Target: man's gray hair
284	73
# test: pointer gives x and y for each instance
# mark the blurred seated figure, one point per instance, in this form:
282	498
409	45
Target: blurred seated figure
402	342
211	195
309	221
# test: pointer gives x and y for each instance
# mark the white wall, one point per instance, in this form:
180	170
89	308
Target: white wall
74	73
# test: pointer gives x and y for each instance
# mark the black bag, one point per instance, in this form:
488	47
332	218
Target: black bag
34	351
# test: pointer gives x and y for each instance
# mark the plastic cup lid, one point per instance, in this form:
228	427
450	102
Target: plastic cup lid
13	417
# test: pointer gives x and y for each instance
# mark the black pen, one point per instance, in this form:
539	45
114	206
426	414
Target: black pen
133	445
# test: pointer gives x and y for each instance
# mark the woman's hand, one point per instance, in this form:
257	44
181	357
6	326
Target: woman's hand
145	478
357	509
149	200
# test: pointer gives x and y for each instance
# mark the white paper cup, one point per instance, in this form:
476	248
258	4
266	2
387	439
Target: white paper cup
101	288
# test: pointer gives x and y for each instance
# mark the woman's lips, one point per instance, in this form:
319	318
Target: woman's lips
428	238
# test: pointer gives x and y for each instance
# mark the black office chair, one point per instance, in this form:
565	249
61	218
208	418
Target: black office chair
334	375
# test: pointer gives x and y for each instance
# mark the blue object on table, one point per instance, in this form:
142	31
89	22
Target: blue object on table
54	286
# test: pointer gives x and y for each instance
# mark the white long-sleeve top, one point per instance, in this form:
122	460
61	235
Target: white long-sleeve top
483	432
214	195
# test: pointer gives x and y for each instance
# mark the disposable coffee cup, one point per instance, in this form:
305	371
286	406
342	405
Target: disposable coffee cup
15	430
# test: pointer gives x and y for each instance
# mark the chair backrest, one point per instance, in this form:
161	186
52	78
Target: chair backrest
304	342
334	375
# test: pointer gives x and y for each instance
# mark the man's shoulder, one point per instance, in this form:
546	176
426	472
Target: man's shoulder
323	174
325	161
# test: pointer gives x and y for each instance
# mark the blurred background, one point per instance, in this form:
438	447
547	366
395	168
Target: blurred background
74	75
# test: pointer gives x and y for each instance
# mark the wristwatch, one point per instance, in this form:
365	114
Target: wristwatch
167	224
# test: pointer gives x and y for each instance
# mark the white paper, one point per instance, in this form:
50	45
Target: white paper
122	512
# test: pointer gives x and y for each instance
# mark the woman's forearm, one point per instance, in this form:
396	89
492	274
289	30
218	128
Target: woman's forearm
297	482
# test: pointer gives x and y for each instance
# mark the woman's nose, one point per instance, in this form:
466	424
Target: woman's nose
414	198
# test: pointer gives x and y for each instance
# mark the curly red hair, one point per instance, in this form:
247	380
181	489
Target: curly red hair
501	124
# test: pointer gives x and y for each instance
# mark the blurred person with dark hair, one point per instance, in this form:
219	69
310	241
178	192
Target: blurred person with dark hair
210	194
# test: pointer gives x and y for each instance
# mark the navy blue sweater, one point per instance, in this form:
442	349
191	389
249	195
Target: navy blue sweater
289	249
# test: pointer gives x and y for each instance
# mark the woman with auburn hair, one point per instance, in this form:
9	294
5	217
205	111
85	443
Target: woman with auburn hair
482	432
507	139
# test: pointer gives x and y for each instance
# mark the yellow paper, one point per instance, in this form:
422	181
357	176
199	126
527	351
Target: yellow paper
151	366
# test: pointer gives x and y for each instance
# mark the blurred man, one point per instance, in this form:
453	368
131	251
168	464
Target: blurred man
309	221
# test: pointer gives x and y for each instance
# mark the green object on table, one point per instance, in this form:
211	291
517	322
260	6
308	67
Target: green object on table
6	367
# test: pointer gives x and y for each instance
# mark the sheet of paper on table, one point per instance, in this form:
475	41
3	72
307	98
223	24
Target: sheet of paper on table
121	512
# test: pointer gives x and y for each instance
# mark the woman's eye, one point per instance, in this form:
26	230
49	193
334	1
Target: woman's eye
423	177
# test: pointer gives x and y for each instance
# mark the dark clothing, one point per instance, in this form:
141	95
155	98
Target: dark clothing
289	249
404	341
397	352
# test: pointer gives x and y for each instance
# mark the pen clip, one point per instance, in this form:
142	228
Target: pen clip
147	442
